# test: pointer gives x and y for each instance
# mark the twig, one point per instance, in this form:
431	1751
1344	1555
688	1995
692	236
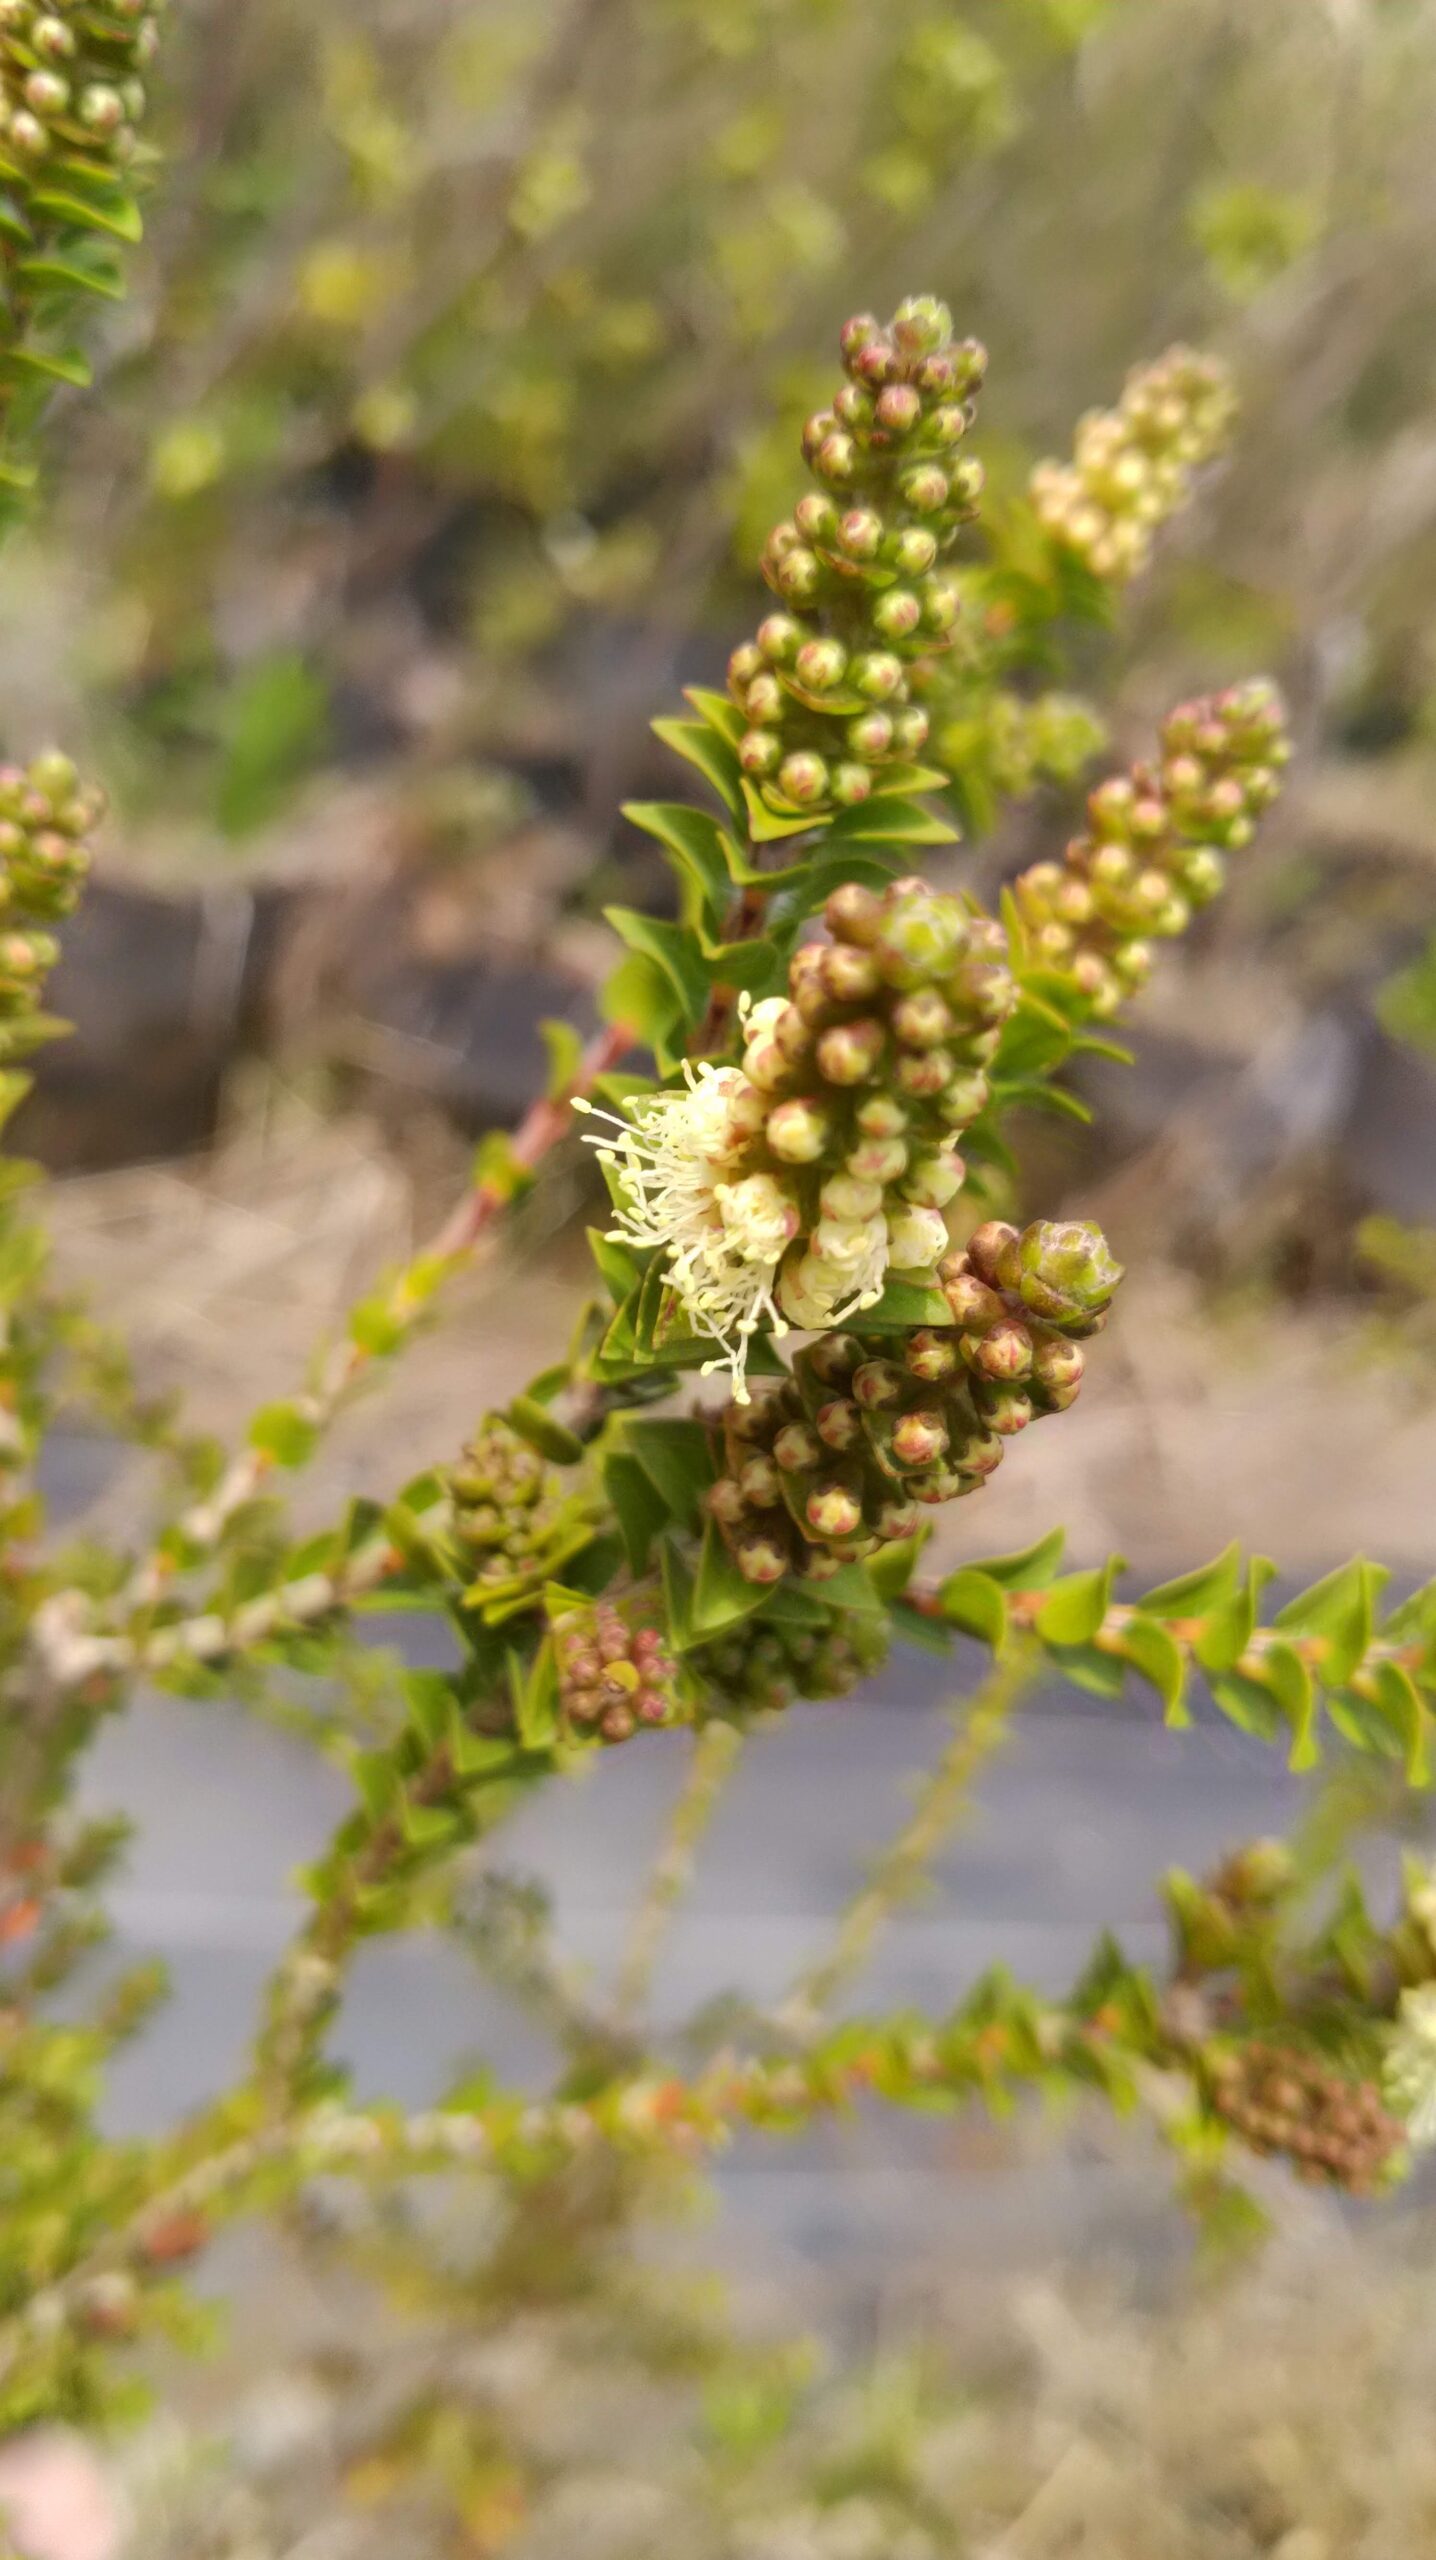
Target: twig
979	1730
715	1754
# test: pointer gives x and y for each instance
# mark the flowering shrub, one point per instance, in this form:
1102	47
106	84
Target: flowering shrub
803	1095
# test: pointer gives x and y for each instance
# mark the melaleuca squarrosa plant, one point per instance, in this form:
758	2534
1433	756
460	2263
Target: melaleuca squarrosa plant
801	1201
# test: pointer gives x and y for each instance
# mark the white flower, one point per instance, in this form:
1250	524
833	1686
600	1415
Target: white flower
1410	2069
676	1159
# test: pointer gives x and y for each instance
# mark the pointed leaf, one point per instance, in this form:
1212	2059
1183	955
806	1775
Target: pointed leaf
896	821
971	1601
711	755
1076	1606
1156	1654
1031	1569
1193	1594
1340	1609
721	1596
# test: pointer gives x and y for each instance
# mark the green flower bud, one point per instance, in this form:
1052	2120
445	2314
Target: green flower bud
878	1385
917	1237
849	974
870	736
897	614
860	534
911	551
877	674
933	1357
924	488
899	409
1063	1271
780	638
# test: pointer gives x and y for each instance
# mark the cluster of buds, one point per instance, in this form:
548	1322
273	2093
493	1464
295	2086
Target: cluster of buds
614	1674
785	1190
1156	843
1132	466
512	1515
72	78
1336	2131
824	686
46	814
869	1430
761	1666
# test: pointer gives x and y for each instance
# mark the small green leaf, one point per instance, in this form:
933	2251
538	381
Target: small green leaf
676	1455
534	1689
1076	1606
769	826
429	1696
971	1601
641	994
1247	1703
640	1510
891	821
699	851
1285	1673
284	1434
1032	1568
1191	1595
711	755
1341	1610
534	1423
670	947
721	1596
564	1044
1156	1654
1227	1631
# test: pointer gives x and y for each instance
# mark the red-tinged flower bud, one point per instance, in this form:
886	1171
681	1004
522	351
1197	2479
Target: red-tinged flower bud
816	517
820	664
853	914
932	1356
849	974
966	1095
923	1073
746	662
101	109
852	405
877	674
940	1484
967	480
51	37
834	1510
793	1036
1005	1409
759	1481
836	459
852	785
1005	1351
798	575
974	1306
948	424
857	333
618	1724
649	1707
985	1248
797	1448
760	1559
871	736
1062	1270
780	638
910	728
899	409
765	702
727	1501
816	431
878	1159
897	614
839	1424
879	1384
47	93
851	1052
798	1131
833	1358
896	1519
881	1116
919	1438
860	533
760	752
922	1019
27	134
803	779
924	488
1057	1367
876	363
